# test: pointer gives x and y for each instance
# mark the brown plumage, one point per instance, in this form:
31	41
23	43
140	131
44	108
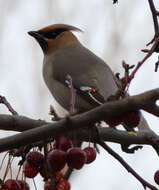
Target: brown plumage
64	54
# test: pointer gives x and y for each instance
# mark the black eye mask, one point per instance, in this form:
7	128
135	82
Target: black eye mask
52	34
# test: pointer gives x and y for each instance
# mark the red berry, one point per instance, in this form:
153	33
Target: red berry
12	184
156	177
63	185
23	185
59	176
113	121
43	171
29	171
56	160
76	158
2	186
47	185
63	143
90	154
131	119
35	159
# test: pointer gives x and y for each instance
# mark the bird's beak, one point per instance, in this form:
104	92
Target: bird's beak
34	34
40	39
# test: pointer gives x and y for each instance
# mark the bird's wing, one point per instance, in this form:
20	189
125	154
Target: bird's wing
91	76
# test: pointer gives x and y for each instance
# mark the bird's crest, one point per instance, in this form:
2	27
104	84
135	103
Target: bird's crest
54	30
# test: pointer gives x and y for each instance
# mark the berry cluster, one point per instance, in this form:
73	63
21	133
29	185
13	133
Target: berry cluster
59	184
64	152
12	184
49	165
33	164
130	119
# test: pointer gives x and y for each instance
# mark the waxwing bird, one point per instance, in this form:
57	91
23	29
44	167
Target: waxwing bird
65	55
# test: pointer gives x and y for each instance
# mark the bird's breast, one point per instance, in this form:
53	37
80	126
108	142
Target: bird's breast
59	90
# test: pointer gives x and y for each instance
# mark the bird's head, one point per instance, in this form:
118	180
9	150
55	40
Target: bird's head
54	37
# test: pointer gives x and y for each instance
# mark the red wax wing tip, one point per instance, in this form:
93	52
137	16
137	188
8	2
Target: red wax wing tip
93	90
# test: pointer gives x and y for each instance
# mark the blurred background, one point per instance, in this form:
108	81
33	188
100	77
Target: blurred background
113	32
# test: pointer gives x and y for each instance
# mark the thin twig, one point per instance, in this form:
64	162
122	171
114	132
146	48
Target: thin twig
124	81
126	166
157	65
154	48
144	59
7	167
54	114
155	14
128	78
34	184
4	101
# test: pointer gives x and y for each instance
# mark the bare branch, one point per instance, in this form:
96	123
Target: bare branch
155	14
18	123
4	101
150	52
126	166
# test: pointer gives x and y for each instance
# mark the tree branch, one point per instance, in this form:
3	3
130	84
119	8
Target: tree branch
45	131
126	166
155	14
4	101
18	123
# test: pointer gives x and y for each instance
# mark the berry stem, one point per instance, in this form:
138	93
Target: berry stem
10	168
126	166
6	171
18	172
34	184
3	160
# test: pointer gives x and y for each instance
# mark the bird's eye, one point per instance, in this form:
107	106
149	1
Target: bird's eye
51	35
